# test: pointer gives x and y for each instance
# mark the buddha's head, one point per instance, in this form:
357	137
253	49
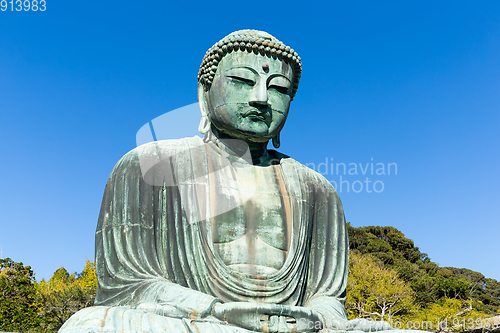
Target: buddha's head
245	85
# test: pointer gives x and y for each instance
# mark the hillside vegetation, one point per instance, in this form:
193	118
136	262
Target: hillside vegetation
391	279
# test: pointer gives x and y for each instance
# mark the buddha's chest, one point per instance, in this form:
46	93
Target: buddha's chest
255	231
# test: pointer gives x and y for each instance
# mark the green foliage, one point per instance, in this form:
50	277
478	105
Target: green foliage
484	290
387	244
64	294
450	314
18	305
376	292
430	283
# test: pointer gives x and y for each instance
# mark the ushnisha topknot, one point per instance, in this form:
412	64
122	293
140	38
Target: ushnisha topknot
251	41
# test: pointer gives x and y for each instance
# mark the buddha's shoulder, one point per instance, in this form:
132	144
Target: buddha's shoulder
307	174
152	151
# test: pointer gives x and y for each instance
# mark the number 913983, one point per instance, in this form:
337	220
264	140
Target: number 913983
23	5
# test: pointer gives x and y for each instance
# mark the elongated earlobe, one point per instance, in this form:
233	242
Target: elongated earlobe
276	141
204	127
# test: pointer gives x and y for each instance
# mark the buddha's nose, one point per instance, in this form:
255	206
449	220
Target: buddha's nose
259	97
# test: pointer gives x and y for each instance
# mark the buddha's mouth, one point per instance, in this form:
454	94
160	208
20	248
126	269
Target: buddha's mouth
257	115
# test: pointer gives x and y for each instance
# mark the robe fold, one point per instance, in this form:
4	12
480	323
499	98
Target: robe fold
156	264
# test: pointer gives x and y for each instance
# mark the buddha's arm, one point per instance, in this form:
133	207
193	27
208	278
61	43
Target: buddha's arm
130	268
138	282
329	256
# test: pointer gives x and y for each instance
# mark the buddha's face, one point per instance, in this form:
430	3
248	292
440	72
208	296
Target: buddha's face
250	96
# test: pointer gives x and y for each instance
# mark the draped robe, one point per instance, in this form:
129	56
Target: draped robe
156	264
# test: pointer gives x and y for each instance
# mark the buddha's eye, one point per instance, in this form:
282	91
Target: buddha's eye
280	89
280	84
241	80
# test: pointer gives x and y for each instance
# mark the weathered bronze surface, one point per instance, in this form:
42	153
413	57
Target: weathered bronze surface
221	234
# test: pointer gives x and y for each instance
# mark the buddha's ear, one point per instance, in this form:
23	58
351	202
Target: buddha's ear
204	126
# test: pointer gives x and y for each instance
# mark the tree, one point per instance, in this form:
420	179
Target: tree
376	292
430	282
87	282
65	294
18	305
485	290
449	314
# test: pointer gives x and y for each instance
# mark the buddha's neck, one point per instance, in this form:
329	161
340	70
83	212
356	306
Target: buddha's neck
258	150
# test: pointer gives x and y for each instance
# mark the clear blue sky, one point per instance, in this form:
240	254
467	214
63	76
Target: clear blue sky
412	83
